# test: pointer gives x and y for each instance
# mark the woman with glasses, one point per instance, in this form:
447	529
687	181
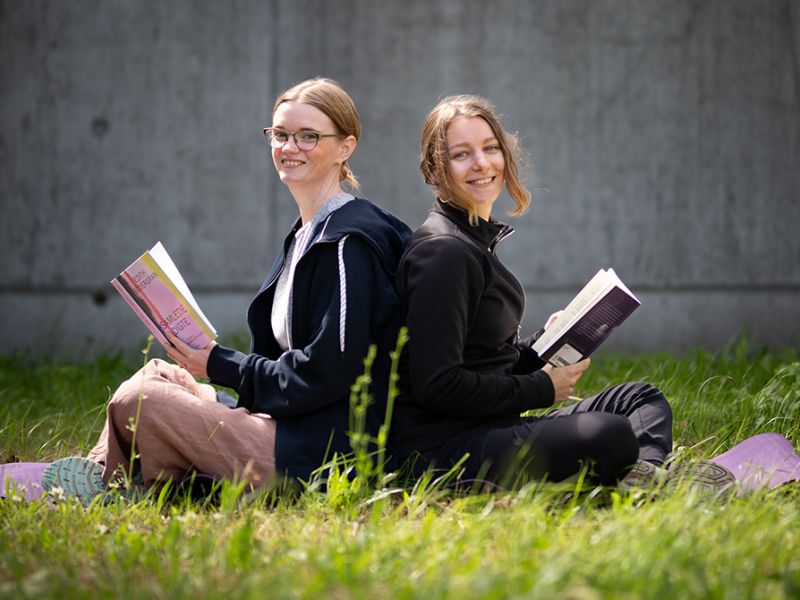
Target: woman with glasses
328	296
466	377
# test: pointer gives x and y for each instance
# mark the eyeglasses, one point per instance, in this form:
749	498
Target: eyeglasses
305	139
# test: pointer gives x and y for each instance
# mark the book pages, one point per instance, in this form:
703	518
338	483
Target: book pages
589	294
601	306
155	290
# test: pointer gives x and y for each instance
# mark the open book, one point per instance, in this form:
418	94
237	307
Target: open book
155	290
603	304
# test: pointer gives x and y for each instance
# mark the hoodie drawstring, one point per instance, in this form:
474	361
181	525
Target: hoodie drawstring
342	295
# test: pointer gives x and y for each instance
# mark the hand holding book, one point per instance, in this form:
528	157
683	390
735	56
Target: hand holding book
551	319
155	290
565	378
193	360
587	321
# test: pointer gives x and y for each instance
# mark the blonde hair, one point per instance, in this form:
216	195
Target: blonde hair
328	96
435	161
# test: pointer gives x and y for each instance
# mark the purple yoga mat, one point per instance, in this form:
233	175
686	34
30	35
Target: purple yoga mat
26	478
764	460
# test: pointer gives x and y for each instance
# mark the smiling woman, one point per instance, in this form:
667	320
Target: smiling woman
466	376
309	158
328	297
476	162
454	130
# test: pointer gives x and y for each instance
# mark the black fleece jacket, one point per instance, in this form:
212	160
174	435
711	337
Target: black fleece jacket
464	366
343	300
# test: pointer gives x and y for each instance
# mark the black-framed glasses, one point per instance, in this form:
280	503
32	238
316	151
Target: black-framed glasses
305	139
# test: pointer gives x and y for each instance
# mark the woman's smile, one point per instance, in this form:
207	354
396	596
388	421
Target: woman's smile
476	162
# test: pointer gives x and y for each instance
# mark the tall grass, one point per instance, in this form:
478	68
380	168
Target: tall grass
425	541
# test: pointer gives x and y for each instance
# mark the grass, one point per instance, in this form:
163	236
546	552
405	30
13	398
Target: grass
544	541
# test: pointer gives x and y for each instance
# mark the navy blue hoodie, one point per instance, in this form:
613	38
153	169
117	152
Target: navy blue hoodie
343	300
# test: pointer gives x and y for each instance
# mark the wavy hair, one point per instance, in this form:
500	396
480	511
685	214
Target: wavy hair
435	161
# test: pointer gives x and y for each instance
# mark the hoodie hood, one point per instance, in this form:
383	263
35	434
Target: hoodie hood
385	233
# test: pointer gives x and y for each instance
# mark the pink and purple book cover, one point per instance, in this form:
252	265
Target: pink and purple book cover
155	290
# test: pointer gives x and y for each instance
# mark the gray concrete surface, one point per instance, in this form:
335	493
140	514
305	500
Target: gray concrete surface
664	138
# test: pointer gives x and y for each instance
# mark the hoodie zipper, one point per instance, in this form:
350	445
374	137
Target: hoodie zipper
506	231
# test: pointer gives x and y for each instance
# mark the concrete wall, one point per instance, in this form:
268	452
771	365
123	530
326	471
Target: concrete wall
665	142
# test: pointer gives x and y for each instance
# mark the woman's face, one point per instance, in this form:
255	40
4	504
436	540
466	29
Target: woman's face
313	168
476	162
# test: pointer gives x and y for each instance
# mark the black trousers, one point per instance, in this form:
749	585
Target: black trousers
607	432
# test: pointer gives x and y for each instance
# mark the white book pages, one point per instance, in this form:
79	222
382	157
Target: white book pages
621	285
163	259
585	299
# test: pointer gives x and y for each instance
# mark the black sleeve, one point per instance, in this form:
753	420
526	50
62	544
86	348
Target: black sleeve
529	360
443	281
318	373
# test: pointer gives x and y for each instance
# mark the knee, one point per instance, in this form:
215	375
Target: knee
650	394
609	431
153	374
156	366
133	404
614	447
645	389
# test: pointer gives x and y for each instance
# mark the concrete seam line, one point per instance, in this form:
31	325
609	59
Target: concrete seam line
794	28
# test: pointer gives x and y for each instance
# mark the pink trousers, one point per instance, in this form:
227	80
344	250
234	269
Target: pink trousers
179	426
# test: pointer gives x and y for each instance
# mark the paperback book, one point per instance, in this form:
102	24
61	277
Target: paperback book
155	290
599	308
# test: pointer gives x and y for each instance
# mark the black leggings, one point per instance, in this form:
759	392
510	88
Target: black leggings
607	432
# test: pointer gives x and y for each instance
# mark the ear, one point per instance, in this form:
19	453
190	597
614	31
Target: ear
347	147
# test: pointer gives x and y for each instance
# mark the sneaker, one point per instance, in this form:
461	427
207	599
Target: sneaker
643	475
703	475
77	477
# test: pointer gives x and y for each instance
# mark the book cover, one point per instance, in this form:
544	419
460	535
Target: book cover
155	290
603	304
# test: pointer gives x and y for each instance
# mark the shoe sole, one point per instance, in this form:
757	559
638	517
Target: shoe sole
705	475
643	475
78	477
